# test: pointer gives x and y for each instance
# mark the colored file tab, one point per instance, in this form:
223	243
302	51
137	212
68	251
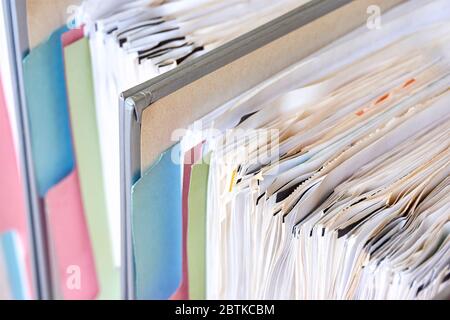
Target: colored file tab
71	242
57	177
190	158
87	149
45	89
196	241
157	230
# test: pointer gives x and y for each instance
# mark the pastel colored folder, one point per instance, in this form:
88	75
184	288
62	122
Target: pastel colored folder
72	36
13	214
67	225
55	169
196	240
157	228
85	138
45	89
190	158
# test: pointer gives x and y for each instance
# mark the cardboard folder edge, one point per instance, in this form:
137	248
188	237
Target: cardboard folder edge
147	93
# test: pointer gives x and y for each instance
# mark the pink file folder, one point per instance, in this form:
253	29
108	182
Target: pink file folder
70	237
13	213
190	158
72	36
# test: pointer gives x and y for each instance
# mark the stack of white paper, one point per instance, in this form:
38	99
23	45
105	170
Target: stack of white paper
330	180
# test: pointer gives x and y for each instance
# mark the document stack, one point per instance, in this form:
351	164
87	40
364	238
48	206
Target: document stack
349	199
326	180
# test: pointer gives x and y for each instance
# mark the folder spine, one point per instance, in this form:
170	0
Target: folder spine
130	151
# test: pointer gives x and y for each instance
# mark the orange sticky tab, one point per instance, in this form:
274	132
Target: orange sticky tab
409	82
383	98
360	113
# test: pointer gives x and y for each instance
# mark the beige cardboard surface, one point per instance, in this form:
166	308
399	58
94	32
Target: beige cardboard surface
44	16
192	102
